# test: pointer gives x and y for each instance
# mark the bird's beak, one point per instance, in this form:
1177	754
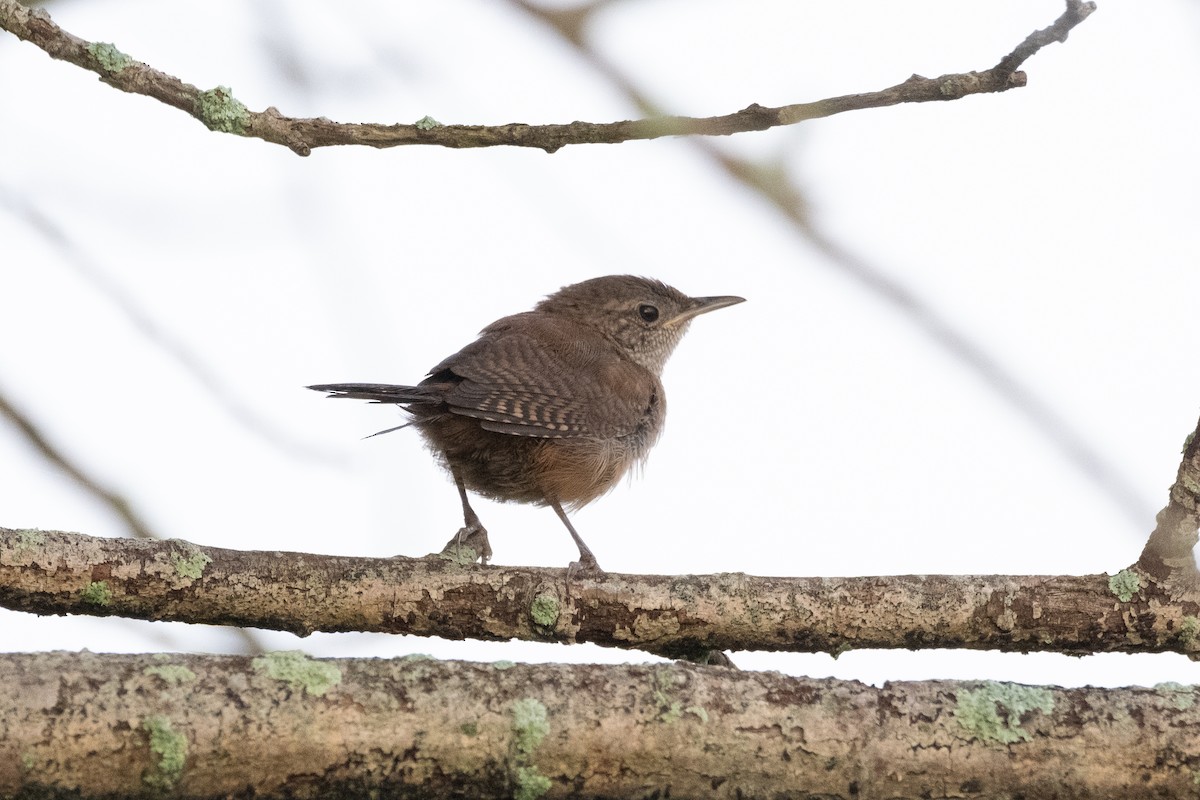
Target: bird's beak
702	305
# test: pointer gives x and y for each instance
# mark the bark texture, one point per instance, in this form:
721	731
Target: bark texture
49	572
89	725
1169	553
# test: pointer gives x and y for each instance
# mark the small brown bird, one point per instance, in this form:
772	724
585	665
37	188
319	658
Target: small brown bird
550	406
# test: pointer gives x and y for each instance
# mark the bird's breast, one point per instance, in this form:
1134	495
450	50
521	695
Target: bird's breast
578	470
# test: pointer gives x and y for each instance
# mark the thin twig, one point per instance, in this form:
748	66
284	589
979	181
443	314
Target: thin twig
221	111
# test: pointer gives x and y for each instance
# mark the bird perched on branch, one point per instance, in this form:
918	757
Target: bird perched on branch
550	406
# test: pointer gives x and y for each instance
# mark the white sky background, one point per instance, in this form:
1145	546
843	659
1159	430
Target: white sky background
812	430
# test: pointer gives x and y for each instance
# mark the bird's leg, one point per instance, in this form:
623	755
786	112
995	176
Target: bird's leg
587	561
472	534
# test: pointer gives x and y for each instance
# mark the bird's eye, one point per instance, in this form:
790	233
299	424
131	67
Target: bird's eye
647	312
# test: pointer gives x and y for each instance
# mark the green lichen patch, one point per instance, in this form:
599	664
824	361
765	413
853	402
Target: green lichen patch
169	749
30	538
459	554
1125	584
299	671
221	111
663	686
1189	483
172	674
530	726
1189	632
992	713
544	610
109	57
97	593
529	783
188	560
1177	696
469	728
503	665
427	123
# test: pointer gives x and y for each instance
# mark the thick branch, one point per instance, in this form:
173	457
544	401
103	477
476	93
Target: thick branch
87	725
62	573
220	111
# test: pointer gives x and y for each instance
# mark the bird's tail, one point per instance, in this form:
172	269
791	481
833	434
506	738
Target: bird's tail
380	392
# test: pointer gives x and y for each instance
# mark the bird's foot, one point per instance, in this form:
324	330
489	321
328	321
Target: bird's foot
467	546
586	566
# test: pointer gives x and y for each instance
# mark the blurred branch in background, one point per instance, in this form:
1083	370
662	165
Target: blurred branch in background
120	506
138	527
76	258
220	111
771	182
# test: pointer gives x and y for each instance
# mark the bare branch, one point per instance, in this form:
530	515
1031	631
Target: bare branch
49	572
1076	12
221	111
283	725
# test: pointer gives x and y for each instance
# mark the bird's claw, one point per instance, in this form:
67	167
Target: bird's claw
469	545
586	566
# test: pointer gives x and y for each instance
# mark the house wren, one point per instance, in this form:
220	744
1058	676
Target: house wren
550	406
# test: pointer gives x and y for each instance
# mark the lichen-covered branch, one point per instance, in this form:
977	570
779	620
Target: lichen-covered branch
284	725
221	111
50	572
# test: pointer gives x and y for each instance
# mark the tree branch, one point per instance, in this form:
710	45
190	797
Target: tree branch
1168	555
47	572
219	110
284	725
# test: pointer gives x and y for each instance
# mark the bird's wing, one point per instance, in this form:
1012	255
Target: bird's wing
544	380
